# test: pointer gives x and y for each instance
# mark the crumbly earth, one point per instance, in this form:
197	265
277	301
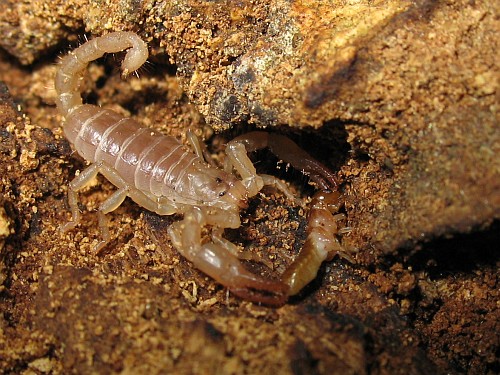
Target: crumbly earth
399	98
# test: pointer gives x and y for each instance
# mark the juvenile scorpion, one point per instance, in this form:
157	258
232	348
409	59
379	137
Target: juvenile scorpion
164	176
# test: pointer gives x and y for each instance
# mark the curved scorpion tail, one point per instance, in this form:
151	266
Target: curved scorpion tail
72	66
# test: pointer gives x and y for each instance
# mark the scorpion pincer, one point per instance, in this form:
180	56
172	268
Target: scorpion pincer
164	176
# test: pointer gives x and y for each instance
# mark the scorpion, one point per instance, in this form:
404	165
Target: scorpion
163	175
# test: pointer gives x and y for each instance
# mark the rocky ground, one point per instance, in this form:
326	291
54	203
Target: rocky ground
398	98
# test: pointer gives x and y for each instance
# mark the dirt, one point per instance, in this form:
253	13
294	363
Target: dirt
398	98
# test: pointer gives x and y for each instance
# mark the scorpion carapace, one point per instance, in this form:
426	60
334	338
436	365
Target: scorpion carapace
163	175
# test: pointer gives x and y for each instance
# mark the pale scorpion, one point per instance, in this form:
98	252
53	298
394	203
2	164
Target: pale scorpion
164	176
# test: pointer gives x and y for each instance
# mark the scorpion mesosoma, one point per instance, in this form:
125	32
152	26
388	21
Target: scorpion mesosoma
164	176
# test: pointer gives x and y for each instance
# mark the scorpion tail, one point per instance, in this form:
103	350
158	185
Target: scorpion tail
73	65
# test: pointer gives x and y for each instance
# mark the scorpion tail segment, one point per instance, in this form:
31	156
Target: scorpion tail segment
72	66
136	56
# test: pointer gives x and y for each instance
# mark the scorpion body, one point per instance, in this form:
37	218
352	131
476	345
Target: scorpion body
163	175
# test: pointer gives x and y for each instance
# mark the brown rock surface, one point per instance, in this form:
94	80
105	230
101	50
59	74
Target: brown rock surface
404	99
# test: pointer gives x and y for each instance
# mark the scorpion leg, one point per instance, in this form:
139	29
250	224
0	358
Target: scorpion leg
110	204
78	183
115	200
162	207
199	148
222	265
281	186
237	157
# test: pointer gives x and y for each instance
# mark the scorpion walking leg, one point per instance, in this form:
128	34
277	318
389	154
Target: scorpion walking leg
237	157
162	207
281	186
199	148
110	204
222	265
